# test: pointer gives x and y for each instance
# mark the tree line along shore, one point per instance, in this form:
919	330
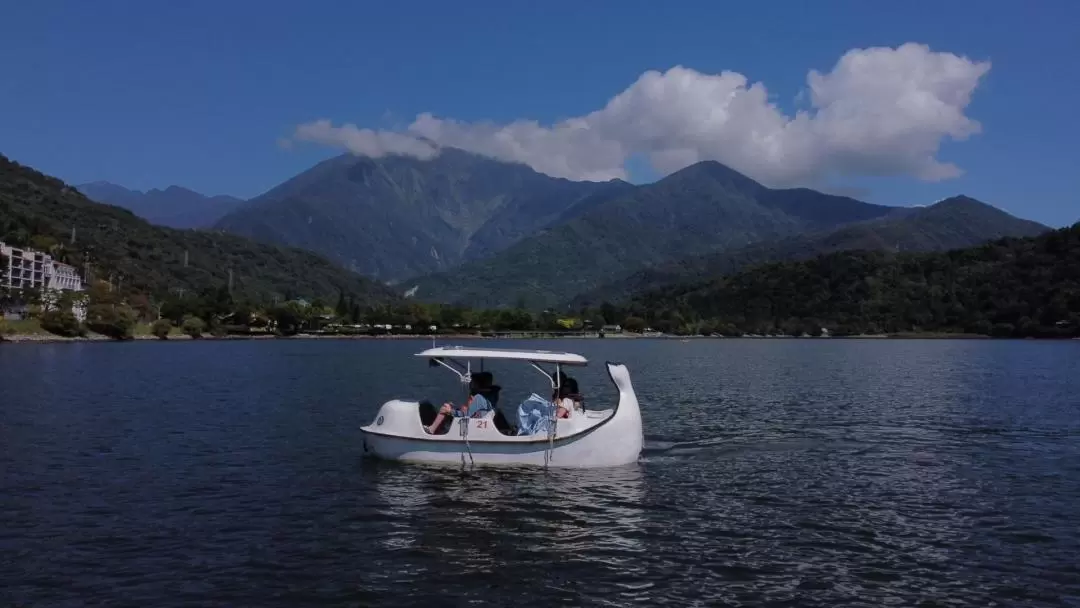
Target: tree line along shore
1010	288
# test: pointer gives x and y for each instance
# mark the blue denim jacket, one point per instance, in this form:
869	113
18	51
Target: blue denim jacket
477	404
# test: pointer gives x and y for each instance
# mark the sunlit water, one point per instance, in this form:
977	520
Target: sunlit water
776	472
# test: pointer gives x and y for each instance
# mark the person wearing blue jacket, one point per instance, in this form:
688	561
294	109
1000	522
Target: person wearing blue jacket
476	406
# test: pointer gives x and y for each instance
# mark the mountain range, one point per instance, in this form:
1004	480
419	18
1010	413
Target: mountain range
707	217
397	217
465	229
952	223
175	206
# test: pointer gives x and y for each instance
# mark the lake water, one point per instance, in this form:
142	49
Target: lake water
776	472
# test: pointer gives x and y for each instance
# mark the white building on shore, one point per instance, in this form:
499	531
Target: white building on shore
29	269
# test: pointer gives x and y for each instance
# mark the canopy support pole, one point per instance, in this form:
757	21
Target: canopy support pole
464	372
466	379
464	430
556	384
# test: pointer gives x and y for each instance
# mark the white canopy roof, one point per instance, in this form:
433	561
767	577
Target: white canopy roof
536	356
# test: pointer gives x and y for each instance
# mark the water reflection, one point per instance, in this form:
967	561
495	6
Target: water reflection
485	518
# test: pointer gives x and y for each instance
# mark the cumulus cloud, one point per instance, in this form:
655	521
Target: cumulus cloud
879	111
365	142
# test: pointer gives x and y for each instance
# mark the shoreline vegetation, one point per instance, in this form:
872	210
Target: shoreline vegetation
30	332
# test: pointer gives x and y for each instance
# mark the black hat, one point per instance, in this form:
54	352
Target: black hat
481	380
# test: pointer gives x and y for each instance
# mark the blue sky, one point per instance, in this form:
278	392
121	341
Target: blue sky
199	93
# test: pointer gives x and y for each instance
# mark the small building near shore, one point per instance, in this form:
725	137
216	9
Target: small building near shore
26	269
30	269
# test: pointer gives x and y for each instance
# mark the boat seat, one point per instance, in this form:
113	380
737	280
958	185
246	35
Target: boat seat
502	424
428	412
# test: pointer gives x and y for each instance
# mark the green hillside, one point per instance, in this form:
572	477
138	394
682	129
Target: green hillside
699	209
41	211
397	216
1010	287
952	223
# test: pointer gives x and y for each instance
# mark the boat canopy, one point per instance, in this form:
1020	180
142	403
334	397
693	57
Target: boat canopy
532	356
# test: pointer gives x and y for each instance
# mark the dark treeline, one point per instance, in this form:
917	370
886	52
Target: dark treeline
1008	288
225	313
1026	287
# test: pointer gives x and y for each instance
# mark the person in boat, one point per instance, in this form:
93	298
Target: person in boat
534	413
566	397
483	394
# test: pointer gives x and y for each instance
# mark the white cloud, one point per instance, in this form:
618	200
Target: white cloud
880	111
365	142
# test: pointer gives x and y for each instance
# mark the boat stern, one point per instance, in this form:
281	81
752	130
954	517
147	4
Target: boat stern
396	417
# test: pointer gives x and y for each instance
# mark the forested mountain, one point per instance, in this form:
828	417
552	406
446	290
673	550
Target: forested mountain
952	223
1009	287
41	211
700	209
397	216
174	206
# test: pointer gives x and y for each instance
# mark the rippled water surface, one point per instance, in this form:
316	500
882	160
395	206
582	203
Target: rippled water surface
782	472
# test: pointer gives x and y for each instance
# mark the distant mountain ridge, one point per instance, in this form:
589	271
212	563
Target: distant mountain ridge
953	223
698	210
174	207
397	216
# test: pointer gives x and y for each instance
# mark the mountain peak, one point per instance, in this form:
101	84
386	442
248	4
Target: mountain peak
960	200
717	172
974	215
430	213
175	206
180	189
104	186
101	184
963	204
176	192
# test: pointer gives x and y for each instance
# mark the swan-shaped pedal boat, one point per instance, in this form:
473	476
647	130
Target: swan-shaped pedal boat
587	439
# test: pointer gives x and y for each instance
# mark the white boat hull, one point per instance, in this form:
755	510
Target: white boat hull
604	438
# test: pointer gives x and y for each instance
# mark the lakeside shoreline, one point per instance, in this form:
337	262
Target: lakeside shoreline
92	337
